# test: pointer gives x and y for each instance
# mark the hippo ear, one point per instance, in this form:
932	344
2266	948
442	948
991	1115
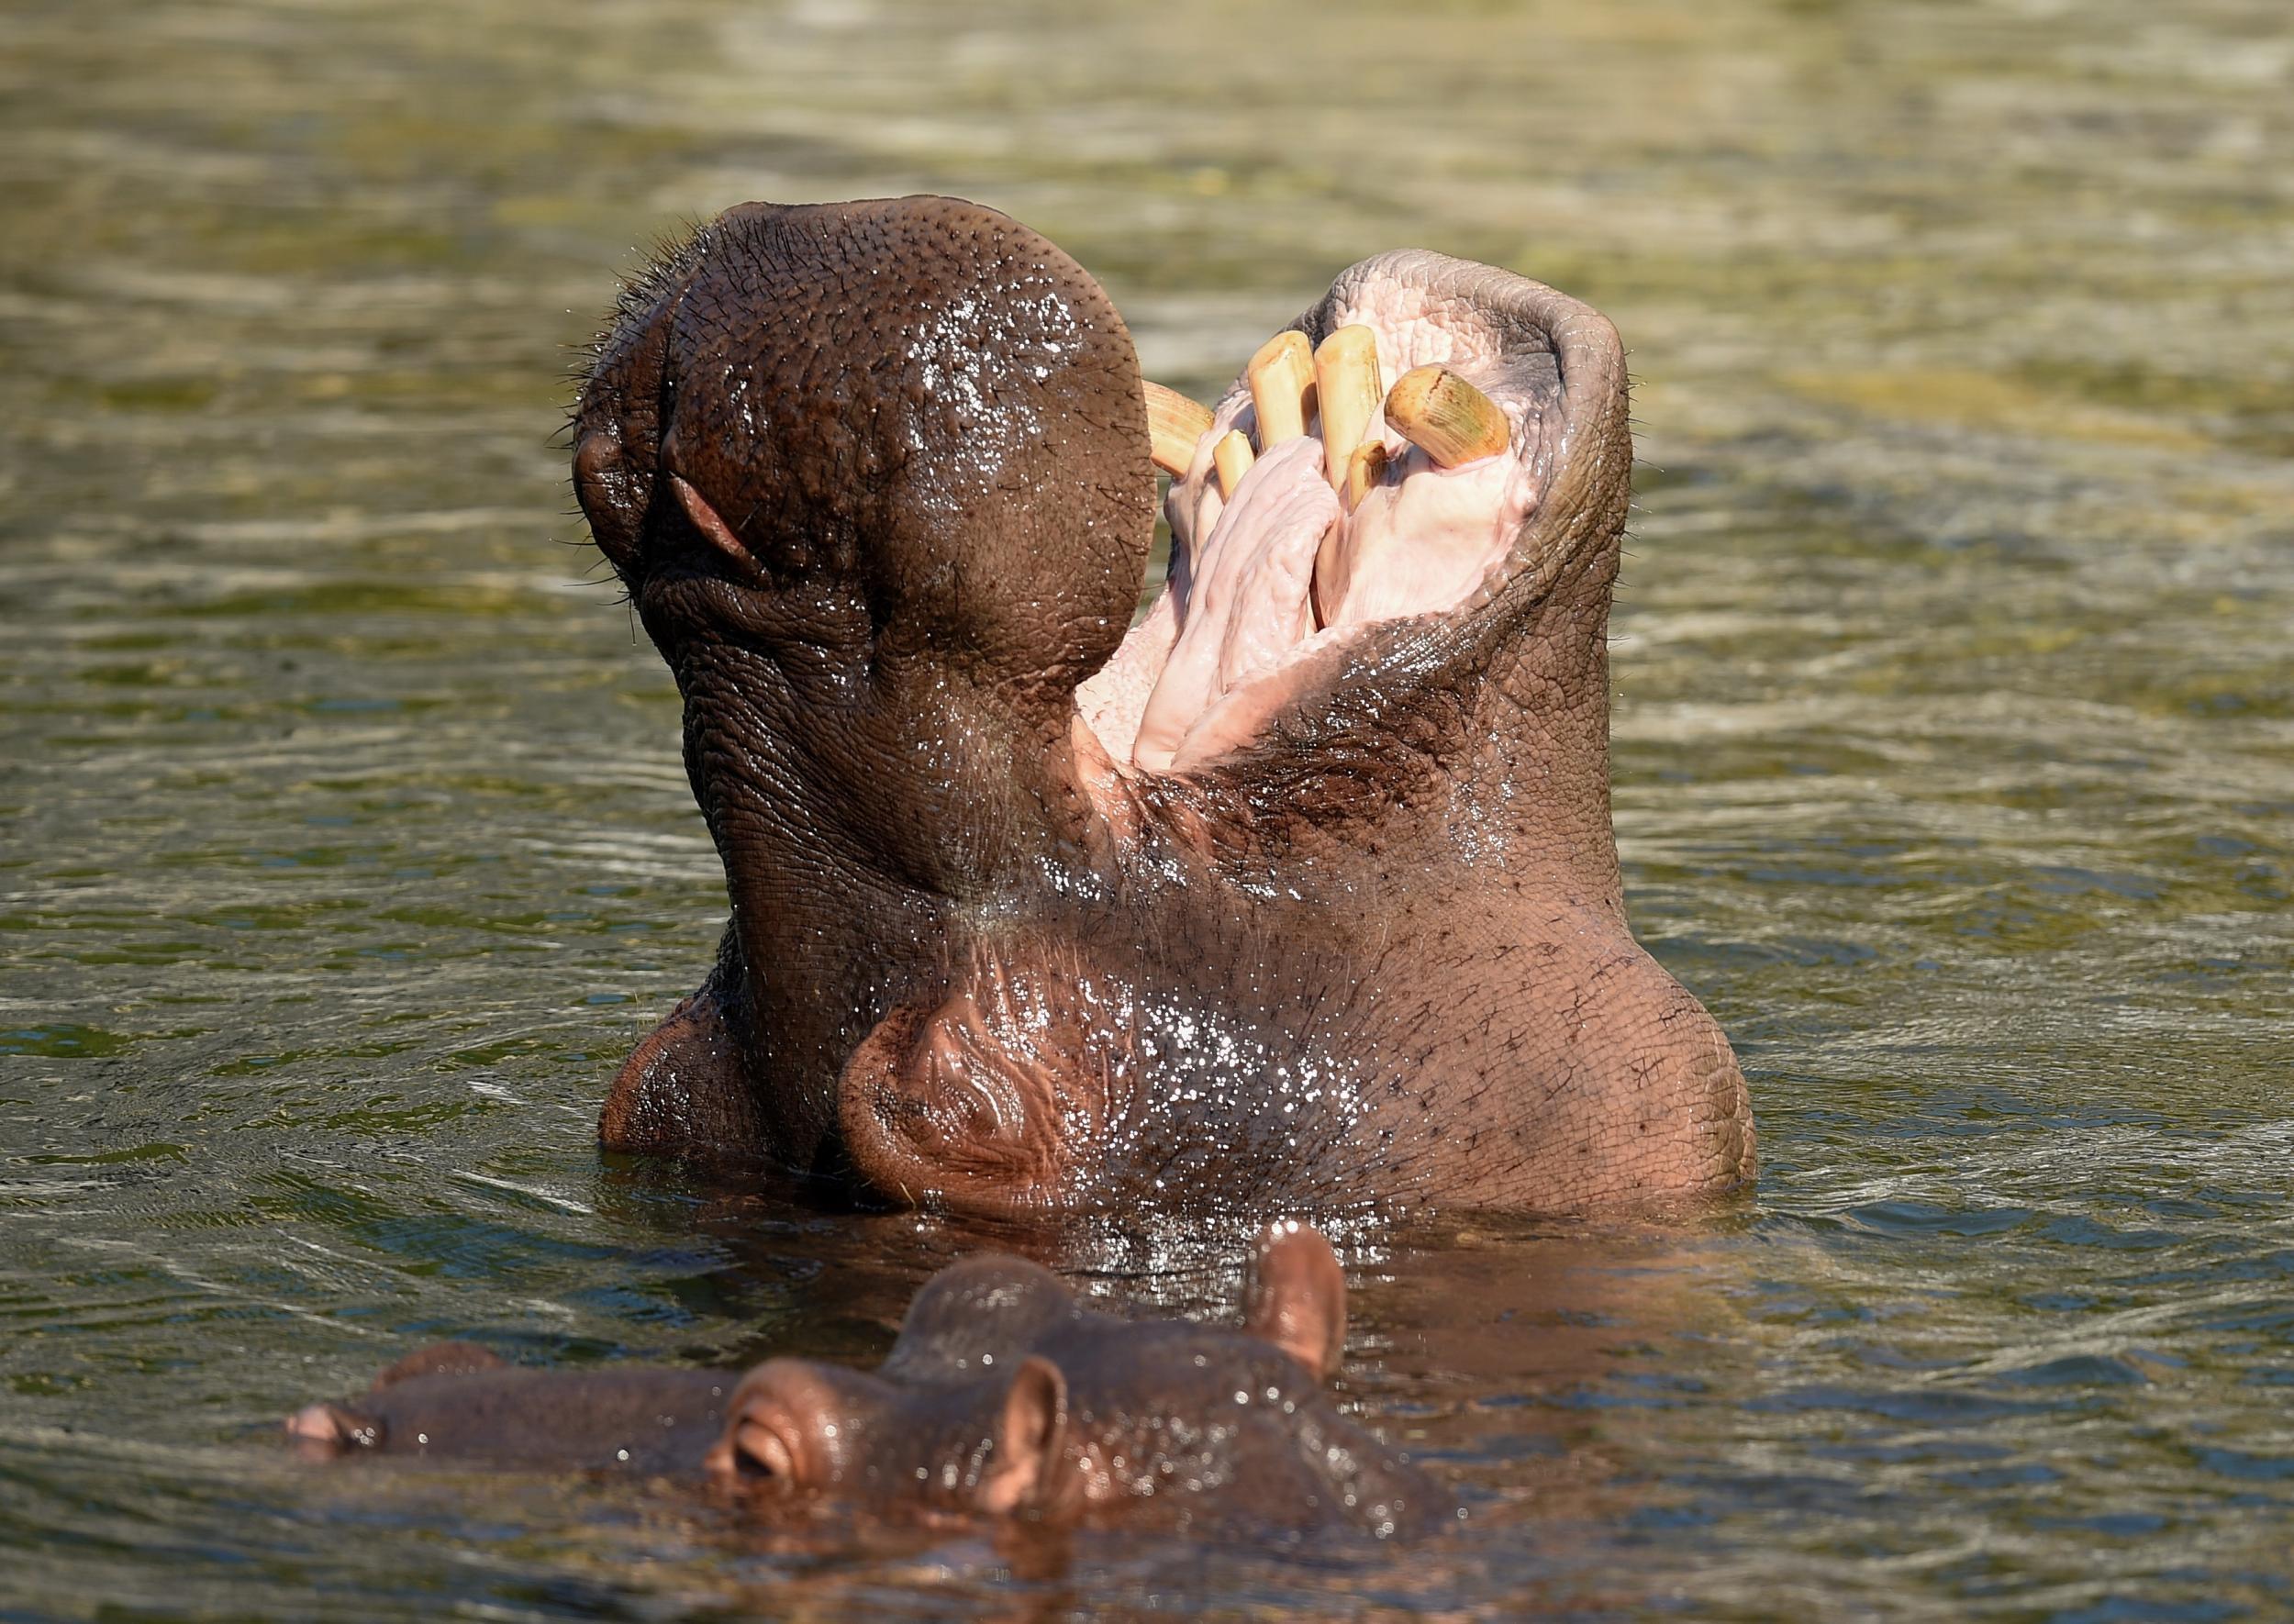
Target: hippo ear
1295	1295
1029	1436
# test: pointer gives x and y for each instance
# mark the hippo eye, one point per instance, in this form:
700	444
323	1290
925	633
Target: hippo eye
761	1455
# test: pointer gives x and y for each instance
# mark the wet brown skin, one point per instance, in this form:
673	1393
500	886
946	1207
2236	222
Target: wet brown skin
877	477
1003	1397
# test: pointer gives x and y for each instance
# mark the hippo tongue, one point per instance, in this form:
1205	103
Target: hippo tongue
1249	603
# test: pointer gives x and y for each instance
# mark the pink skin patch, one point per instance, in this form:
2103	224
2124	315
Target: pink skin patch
1249	601
1281	572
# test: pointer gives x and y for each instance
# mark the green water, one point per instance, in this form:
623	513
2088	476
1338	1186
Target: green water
344	846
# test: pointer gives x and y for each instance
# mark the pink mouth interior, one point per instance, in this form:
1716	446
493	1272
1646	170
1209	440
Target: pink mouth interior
1281	572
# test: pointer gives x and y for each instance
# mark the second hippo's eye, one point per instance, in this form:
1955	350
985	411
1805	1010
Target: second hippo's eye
762	1456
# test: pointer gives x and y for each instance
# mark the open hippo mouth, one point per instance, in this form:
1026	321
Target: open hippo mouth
1303	887
1312	504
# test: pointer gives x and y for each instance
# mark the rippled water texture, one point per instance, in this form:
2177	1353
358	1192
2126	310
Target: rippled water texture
346	846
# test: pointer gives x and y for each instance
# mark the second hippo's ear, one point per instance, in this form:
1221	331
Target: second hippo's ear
1295	1295
1029	1436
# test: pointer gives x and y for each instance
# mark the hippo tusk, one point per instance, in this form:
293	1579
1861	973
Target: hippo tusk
1365	468
1445	416
1232	456
1346	388
1175	425
1280	374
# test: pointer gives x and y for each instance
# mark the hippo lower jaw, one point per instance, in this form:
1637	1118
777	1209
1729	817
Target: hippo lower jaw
1301	891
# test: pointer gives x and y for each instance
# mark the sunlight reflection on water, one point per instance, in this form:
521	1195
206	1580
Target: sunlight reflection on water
348	845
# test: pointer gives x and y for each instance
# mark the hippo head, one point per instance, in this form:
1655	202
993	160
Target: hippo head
1299	890
1003	1396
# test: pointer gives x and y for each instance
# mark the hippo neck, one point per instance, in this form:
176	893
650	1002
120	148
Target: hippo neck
1537	775
864	821
906	783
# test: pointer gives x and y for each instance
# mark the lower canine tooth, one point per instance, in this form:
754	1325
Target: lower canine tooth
1445	416
1280	376
1346	386
1232	456
1365	468
1175	425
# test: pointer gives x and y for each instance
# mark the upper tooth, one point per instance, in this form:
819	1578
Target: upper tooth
1280	374
1232	456
1174	426
1347	388
1445	416
1365	467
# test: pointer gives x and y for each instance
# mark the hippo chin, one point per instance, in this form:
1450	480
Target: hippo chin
1302	891
1003	1397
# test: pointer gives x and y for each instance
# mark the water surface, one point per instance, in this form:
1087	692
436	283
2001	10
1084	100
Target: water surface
344	846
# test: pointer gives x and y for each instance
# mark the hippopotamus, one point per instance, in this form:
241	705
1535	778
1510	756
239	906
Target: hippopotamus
1297	891
1002	1397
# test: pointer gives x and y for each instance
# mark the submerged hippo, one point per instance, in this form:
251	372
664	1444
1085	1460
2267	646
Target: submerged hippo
1301	891
1002	1396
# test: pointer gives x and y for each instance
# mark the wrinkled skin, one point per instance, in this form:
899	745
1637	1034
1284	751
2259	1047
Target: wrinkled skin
876	476
1003	1397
